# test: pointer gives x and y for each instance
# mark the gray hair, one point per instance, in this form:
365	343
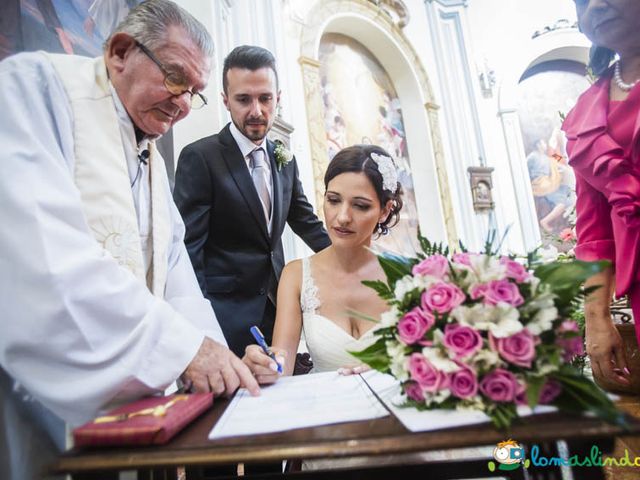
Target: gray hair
149	21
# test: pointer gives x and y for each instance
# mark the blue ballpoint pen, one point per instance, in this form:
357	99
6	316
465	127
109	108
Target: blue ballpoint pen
257	334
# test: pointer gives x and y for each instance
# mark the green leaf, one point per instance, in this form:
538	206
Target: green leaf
581	394
361	316
502	415
429	248
395	267
534	385
375	356
381	288
565	280
566	275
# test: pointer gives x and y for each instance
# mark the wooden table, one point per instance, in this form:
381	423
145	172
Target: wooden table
379	437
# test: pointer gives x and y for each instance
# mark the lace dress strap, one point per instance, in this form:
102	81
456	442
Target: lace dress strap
309	292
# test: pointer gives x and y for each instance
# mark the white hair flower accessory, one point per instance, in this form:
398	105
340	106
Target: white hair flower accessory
388	171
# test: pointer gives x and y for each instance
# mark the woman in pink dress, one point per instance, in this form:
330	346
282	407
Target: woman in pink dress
603	143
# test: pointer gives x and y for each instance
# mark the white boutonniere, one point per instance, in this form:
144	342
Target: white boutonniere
283	156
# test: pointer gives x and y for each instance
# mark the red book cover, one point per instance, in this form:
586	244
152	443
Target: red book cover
149	421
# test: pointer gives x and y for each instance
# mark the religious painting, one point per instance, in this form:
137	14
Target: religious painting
75	27
363	107
62	26
546	93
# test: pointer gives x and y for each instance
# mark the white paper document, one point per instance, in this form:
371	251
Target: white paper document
298	402
388	389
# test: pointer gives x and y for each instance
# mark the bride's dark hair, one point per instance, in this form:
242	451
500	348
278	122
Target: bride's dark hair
358	159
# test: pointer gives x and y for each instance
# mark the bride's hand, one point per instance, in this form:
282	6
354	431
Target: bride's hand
261	365
354	370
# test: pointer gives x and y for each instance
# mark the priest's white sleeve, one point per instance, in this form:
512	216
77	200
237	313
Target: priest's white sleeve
76	330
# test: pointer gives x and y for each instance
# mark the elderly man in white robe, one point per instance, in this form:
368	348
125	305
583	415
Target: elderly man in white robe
99	300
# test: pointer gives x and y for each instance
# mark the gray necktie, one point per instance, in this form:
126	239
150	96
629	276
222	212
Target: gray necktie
260	176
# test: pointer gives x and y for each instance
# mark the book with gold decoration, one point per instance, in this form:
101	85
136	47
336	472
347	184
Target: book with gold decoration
148	421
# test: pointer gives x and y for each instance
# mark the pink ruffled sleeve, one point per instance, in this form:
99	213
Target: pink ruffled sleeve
593	226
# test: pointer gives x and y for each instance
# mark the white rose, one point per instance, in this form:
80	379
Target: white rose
422	282
474	404
439	361
533	281
543	320
487	359
548	254
544	368
398	365
403	286
390	317
461	314
506	322
487	268
441	395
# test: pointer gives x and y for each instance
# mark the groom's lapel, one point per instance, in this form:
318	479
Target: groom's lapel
238	168
277	206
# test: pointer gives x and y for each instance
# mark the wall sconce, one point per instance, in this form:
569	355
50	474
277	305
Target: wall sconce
481	185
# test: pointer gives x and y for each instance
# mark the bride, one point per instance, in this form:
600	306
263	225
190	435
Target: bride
316	294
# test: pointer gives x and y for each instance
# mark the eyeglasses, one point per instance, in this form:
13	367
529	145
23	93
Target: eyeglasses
175	82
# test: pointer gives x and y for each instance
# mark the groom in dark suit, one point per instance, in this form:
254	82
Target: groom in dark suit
235	195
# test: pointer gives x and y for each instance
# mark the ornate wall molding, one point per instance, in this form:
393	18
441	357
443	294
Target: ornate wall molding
315	114
447	27
351	18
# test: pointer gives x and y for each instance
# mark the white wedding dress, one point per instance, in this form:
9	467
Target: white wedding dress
329	344
329	347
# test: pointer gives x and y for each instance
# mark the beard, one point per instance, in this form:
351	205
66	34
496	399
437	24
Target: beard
254	129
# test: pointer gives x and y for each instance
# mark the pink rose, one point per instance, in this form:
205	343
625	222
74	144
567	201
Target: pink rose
442	297
569	326
503	291
550	390
567	235
569	340
423	372
499	385
518	349
478	291
515	270
461	340
414	391
435	266
521	395
463	383
414	324
463	258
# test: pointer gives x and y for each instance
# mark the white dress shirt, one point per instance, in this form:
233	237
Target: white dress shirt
246	146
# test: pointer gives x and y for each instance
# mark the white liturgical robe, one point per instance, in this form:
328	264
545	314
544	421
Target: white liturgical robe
79	331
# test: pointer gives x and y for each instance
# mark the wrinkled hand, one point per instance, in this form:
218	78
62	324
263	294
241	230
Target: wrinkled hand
263	366
216	369
354	370
606	350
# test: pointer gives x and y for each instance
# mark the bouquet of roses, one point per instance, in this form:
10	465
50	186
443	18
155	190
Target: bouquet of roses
484	332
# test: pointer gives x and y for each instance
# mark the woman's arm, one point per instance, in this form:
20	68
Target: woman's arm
286	332
596	242
604	344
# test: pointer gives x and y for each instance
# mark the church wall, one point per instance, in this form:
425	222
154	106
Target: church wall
473	53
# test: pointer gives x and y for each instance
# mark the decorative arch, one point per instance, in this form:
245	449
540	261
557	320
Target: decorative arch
373	28
566	44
